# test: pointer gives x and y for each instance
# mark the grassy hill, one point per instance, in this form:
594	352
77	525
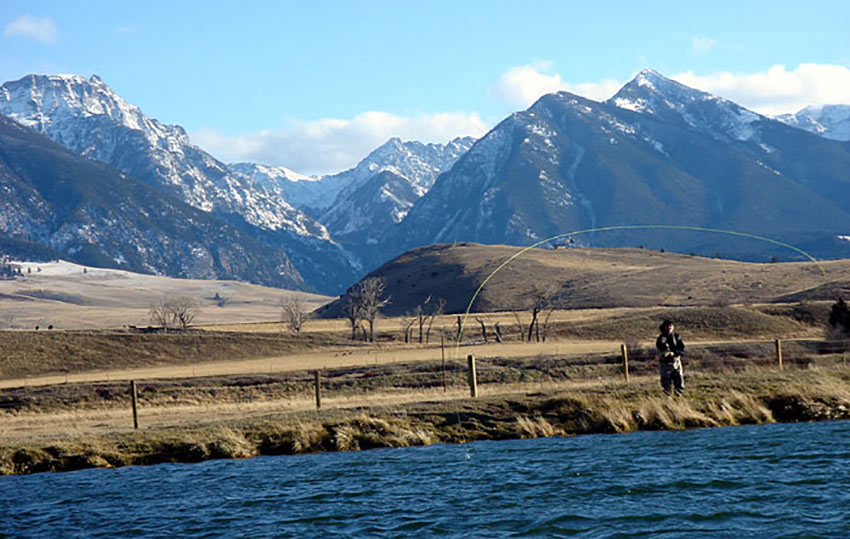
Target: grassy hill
595	278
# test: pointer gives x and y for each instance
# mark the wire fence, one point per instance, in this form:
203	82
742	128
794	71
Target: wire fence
642	360
422	380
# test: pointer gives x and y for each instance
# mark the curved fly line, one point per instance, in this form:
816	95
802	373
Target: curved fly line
622	227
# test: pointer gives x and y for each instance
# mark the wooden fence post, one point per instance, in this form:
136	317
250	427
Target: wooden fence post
625	353
779	353
473	378
443	354
318	390
134	399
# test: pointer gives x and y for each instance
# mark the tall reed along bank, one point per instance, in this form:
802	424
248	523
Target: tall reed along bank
81	425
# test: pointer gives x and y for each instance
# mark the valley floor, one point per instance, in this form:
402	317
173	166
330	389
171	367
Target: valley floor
196	405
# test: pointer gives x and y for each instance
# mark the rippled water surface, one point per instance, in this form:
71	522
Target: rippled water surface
771	480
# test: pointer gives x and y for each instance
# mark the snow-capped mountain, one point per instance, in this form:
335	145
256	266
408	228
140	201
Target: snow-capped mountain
57	203
653	94
381	189
302	192
656	153
829	121
87	117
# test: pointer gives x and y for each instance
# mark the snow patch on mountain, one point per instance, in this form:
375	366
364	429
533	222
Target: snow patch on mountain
637	105
87	117
651	93
828	121
301	191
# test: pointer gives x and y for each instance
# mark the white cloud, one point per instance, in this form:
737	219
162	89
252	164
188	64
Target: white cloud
702	44
522	85
777	90
39	29
332	144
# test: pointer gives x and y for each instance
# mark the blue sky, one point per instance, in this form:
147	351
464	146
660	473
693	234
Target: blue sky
315	85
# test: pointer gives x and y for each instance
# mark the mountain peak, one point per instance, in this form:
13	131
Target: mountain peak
34	99
650	82
653	94
649	74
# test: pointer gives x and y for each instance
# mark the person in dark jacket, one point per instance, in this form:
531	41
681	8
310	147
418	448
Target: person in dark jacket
670	348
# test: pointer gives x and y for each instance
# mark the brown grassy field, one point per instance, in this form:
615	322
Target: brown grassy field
51	357
63	296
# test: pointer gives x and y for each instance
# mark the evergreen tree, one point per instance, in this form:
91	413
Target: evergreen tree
839	316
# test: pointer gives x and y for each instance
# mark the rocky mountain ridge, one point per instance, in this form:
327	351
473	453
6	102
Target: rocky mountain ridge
87	117
829	121
58	204
658	153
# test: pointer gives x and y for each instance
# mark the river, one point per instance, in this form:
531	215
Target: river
770	480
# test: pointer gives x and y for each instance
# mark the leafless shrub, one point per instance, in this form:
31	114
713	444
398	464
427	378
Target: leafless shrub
637	350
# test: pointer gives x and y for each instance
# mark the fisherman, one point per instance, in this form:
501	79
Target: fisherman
670	347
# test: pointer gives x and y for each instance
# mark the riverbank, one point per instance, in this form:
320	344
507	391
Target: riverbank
509	411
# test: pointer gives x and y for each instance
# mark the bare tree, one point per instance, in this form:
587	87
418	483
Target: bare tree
367	295
160	314
520	326
172	313
545	331
421	317
185	310
483	328
293	312
409	320
437	308
541	298
351	311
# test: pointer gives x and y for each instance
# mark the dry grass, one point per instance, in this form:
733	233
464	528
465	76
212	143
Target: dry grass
37	358
596	278
208	394
393	419
101	298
